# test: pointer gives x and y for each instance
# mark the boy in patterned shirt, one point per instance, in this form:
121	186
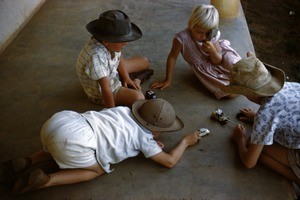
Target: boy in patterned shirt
275	138
100	62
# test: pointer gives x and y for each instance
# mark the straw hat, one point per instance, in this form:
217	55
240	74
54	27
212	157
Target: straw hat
250	77
114	26
156	115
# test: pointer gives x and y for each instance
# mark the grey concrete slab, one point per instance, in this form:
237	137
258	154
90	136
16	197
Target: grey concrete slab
38	78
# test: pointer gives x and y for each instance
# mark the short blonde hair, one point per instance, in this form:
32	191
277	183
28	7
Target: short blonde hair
205	16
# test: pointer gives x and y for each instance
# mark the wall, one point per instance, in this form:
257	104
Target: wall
14	14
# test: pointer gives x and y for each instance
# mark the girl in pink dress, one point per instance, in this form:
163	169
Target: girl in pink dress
209	58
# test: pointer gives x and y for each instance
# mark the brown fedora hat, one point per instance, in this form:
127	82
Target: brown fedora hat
114	26
252	78
156	115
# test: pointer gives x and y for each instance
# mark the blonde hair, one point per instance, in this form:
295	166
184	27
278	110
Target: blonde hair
205	16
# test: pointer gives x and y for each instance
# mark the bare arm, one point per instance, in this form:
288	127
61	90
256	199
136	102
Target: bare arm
248	154
107	94
126	80
171	159
171	61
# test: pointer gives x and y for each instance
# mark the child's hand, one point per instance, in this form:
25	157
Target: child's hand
246	115
192	138
128	83
208	47
239	133
160	84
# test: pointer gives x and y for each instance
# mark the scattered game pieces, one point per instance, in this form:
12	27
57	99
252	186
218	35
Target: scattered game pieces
220	117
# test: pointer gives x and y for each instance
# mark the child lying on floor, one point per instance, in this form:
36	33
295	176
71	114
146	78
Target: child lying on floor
84	145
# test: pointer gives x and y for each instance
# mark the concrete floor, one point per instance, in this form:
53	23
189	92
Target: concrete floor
38	78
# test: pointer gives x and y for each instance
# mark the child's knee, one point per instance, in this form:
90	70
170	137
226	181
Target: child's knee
136	95
146	61
140	96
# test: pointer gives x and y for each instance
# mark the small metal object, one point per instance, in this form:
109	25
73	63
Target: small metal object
150	94
220	117
203	132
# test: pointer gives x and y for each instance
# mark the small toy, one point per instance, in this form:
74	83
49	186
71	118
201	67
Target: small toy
220	117
203	132
150	94
211	34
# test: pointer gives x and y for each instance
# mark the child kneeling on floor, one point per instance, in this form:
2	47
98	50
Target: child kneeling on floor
275	138
84	145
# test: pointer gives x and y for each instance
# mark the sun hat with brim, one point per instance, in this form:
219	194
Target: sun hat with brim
252	78
114	26
156	115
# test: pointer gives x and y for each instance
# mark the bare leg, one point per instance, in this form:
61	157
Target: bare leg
40	156
70	176
135	64
275	157
127	96
37	179
278	152
279	167
128	67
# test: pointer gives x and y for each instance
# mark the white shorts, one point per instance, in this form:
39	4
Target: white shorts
70	140
101	101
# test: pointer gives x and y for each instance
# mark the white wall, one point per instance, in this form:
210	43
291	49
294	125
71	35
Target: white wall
14	14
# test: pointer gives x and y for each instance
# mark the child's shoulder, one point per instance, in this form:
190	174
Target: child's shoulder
183	31
183	34
95	46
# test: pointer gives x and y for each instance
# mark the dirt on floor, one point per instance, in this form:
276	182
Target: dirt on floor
274	26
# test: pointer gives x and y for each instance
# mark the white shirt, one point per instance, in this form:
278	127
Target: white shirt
119	136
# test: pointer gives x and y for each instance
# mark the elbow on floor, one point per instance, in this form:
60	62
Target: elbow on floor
249	165
170	164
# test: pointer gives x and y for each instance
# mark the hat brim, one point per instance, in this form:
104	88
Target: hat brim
271	88
93	28
177	125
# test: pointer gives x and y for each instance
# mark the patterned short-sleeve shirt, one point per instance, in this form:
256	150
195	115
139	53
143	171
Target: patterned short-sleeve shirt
278	118
95	62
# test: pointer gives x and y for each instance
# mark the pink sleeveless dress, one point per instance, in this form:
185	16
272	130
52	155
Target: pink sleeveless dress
213	77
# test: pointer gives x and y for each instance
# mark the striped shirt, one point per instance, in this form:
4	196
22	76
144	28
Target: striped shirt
94	62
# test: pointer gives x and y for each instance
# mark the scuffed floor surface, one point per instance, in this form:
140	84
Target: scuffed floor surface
38	78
